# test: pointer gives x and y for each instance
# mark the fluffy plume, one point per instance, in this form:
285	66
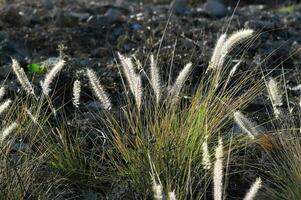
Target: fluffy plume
98	89
76	93
5	105
155	79
178	84
133	79
8	130
2	93
274	92
51	75
216	55
231	42
295	88
253	190
22	78
129	71
172	196
236	38
205	156
233	70
138	92
248	126
218	171
157	190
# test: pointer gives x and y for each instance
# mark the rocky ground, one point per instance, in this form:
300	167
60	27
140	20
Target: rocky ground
89	33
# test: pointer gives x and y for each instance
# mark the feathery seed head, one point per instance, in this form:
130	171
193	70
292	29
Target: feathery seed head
76	93
8	130
98	89
172	196
4	106
216	55
133	79
233	70
234	39
128	70
178	84
2	92
218	171
50	76
21	77
248	126
205	157
274	92
157	190
253	190
138	92
155	79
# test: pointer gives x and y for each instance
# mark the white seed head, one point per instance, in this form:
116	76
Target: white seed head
172	196
218	171
233	70
4	106
205	156
129	71
21	77
51	75
133	79
76	93
216	55
98	89
274	93
248	126
253	190
157	190
8	130
155	79
138	92
234	39
178	84
2	93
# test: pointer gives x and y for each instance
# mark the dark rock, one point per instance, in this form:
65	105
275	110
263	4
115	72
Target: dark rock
13	16
216	8
180	7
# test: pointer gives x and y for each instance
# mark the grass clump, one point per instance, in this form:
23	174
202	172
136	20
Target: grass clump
156	141
164	137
